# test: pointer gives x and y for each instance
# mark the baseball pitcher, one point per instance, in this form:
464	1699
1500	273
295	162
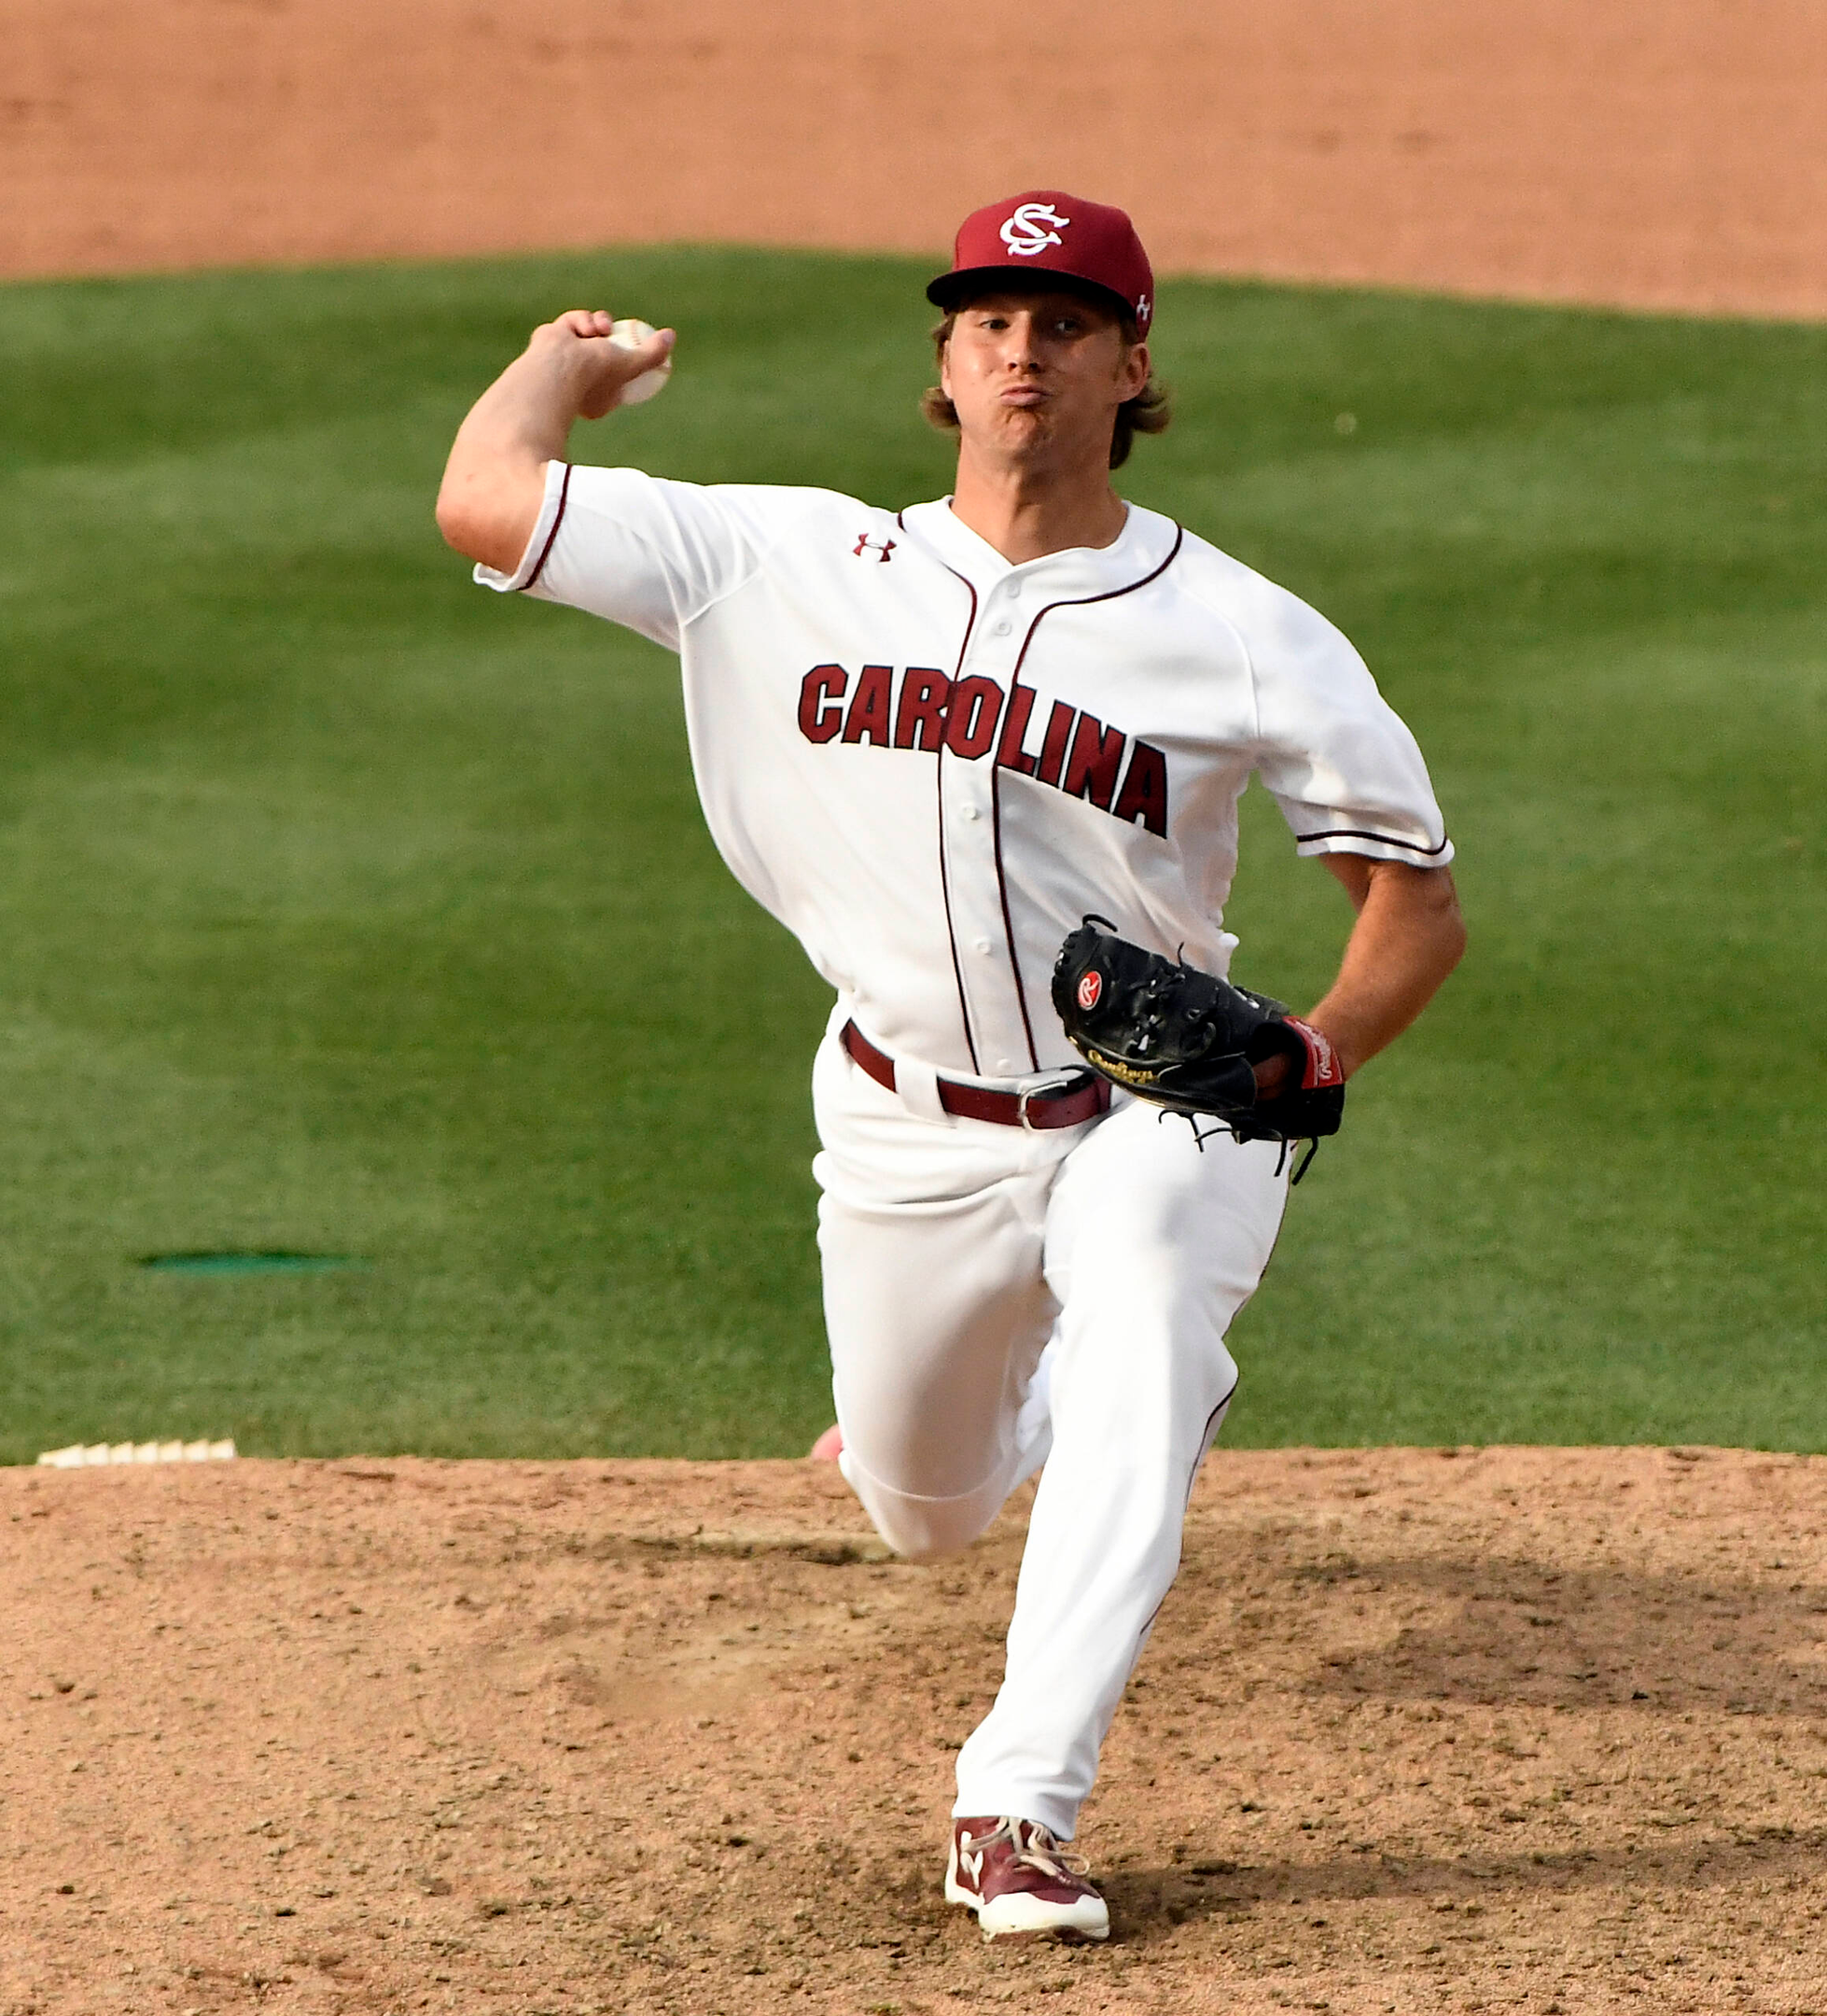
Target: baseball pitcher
983	757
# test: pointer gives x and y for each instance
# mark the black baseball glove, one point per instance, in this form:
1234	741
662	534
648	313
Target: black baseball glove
1188	1041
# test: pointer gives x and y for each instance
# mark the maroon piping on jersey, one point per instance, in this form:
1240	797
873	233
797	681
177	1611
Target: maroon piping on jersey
1352	832
1109	594
939	787
545	551
1212	1421
1009	922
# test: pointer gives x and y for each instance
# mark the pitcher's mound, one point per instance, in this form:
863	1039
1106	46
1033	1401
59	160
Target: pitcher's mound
1518	1728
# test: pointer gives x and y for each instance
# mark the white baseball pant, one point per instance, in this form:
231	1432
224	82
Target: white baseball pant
998	1300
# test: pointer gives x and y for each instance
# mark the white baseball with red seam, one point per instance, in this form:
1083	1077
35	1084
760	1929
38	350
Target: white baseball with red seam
630	334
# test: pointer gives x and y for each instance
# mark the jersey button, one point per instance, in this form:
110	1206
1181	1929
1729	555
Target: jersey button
970	811
1001	627
982	945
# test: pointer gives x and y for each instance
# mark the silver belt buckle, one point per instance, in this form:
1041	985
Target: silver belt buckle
1062	1083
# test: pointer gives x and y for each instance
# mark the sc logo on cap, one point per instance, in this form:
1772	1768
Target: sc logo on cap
1032	228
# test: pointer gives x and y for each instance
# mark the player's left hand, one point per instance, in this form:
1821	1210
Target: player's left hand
1194	1043
1271	1076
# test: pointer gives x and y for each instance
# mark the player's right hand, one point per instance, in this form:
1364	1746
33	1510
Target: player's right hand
577	345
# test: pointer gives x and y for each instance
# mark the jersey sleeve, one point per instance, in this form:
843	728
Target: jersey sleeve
1338	760
638	550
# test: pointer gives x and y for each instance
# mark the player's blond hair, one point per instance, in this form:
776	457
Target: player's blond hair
1148	412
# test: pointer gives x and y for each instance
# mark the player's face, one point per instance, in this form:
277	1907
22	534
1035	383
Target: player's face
1039	376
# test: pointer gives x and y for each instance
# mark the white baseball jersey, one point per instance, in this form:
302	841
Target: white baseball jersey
930	763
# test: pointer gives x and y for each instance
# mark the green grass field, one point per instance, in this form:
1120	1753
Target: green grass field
350	910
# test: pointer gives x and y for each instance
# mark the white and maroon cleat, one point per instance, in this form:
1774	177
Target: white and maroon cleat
828	1447
1018	1878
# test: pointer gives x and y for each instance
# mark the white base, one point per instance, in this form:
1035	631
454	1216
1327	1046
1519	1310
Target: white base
80	1456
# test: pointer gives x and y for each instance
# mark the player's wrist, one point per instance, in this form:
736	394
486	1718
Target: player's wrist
1347	1046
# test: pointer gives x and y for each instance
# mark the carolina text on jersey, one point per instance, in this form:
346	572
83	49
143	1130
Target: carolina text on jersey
1077	753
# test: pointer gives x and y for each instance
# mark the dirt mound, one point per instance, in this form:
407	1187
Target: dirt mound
1530	1729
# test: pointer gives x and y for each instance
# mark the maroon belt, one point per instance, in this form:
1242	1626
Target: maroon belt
1070	1105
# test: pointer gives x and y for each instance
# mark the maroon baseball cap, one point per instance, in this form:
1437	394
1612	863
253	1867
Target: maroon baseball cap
1046	230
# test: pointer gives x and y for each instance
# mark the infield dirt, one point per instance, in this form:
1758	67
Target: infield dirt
1634	151
1417	1729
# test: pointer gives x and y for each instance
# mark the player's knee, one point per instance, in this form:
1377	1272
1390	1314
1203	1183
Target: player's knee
919	1554
921	1527
921	1530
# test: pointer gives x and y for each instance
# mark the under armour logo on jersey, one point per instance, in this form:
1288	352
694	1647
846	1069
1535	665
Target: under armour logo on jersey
1032	228
885	547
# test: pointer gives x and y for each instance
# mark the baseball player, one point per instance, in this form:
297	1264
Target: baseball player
929	741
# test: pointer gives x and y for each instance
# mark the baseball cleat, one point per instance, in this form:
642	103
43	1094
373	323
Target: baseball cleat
828	1447
1017	1877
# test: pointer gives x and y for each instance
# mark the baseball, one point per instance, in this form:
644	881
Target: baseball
630	334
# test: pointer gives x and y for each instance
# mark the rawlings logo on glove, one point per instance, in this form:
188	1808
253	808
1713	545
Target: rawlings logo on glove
1190	1042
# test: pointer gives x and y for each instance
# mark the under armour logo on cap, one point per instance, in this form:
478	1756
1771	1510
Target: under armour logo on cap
1031	228
1046	230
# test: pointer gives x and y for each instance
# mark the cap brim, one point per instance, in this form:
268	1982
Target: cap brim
950	289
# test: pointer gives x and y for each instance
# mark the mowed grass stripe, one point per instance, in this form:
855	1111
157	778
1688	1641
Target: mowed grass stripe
352	911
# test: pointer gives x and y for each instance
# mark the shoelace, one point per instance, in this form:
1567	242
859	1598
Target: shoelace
1041	1851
